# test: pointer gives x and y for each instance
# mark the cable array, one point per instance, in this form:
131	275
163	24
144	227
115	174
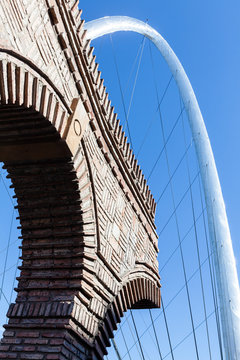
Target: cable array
8	249
197	229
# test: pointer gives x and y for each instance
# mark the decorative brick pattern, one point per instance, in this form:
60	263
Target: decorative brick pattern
89	246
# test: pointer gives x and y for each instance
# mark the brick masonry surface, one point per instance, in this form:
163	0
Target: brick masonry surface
89	246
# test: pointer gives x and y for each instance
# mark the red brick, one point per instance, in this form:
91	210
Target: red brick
8	333
23	348
49	349
11	341
52	334
36	341
4	347
8	356
31	356
27	334
56	341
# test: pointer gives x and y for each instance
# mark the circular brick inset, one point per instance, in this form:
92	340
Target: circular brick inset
77	127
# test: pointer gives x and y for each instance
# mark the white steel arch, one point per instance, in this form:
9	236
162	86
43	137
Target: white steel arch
225	265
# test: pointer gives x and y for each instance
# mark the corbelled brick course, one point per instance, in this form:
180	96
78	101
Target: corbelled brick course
89	246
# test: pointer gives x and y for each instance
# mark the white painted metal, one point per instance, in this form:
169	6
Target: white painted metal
225	266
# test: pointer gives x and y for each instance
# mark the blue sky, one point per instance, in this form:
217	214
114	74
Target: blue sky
205	37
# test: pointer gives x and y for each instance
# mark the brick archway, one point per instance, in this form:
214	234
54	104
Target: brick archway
89	244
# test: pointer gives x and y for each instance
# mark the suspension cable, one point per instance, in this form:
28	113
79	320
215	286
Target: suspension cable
188	281
14	279
15	275
165	144
168	333
134	64
124	339
176	221
5	297
184	237
175	170
178	204
139	342
10	197
121	91
188	335
135	80
155	334
213	286
217	309
8	269
5	248
180	246
116	349
153	118
125	318
196	238
162	98
150	334
7	251
135	341
99	49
